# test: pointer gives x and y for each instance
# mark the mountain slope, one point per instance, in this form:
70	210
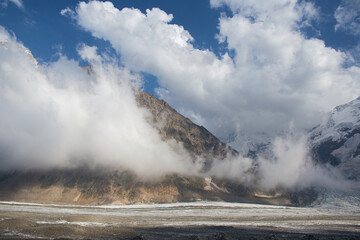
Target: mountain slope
103	186
171	124
337	140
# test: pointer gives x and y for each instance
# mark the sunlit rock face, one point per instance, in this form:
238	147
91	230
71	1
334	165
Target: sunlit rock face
172	125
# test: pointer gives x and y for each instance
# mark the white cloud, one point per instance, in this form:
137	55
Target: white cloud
347	16
67	12
284	76
276	76
88	53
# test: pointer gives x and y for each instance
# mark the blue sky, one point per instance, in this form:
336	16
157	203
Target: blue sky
35	23
232	38
41	27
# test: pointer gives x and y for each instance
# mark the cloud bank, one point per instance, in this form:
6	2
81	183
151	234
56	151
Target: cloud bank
277	75
58	115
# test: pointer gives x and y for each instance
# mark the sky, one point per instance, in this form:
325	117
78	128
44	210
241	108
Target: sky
233	66
237	67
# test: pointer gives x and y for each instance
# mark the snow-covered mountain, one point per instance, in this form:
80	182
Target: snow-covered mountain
337	140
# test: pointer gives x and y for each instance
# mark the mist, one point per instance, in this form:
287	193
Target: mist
288	166
291	166
59	115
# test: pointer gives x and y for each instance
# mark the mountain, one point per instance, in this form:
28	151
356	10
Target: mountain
103	186
336	141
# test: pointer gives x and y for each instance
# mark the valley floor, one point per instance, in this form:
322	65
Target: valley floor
199	220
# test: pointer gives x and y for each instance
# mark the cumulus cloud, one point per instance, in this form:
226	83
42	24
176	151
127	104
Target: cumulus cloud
276	76
284	76
57	115
347	16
